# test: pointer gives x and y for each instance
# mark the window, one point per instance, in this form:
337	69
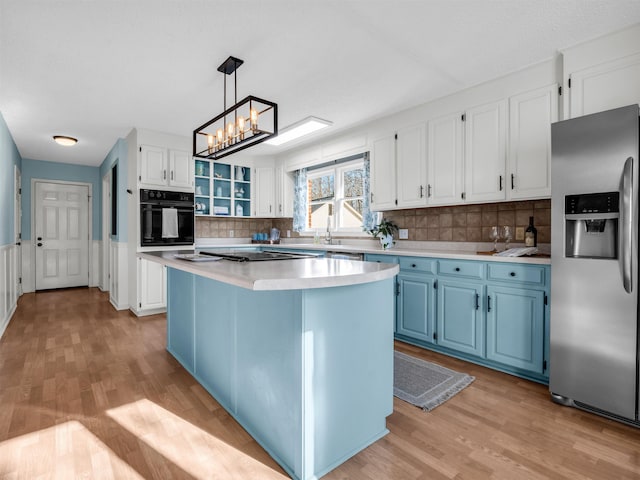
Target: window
335	197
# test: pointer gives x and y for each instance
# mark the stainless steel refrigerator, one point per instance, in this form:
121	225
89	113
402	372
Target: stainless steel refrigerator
594	263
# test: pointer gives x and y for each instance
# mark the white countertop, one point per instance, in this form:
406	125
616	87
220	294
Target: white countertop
296	274
416	249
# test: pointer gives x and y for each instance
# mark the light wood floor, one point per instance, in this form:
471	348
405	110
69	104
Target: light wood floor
88	392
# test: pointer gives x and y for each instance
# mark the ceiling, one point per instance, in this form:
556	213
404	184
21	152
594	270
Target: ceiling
95	69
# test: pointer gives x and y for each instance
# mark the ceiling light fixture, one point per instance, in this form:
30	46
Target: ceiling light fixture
299	129
64	140
251	121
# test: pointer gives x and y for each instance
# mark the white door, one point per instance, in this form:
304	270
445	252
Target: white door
530	117
152	285
264	198
61	235
606	86
411	165
180	169
153	166
485	152
445	160
383	174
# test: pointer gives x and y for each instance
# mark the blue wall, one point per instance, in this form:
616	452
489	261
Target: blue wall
9	157
65	172
118	155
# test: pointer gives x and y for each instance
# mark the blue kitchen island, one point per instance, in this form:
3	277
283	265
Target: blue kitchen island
299	352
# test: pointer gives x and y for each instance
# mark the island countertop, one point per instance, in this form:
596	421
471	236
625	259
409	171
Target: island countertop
298	274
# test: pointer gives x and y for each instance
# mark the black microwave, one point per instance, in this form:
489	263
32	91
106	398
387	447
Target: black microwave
166	218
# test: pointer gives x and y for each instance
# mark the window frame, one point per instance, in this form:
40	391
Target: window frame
338	171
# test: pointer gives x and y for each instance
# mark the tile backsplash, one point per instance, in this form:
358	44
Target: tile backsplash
462	223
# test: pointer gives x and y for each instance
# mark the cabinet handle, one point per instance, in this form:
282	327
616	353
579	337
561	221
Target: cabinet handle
429	190
512	179
421	191
457	269
488	303
500	177
171	174
413	265
269	208
280	207
164	174
477	301
371	197
513	274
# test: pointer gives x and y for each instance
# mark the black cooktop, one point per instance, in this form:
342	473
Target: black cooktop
257	256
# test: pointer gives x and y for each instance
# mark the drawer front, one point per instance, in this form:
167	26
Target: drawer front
415	264
529	274
461	269
372	257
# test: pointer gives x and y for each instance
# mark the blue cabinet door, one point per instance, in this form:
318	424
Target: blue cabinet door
181	317
416	307
461	316
515	327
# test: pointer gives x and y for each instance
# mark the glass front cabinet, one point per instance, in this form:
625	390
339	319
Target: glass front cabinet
222	189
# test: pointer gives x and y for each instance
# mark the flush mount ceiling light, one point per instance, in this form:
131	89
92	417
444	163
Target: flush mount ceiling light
299	129
64	140
248	122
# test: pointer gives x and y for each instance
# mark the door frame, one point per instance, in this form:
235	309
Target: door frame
33	224
17	222
106	232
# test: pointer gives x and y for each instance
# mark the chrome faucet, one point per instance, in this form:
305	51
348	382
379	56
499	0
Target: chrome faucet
327	236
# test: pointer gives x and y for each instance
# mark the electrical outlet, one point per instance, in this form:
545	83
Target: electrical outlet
230	233
403	233
288	233
519	233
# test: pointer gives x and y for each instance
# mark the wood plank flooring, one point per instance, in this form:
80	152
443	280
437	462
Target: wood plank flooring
89	392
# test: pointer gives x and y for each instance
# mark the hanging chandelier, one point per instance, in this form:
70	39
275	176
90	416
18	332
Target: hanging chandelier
248	122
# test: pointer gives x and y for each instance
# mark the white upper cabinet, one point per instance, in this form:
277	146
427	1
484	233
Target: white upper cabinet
153	166
180	169
265	192
399	170
530	117
383	174
485	129
162	167
445	160
605	86
411	165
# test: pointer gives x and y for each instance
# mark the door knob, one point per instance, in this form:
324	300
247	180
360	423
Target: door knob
39	238
39	244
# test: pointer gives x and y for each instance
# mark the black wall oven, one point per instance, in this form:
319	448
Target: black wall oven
166	218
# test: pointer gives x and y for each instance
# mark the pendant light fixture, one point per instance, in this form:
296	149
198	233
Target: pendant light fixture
248	122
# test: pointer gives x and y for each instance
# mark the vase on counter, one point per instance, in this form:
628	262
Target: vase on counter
386	241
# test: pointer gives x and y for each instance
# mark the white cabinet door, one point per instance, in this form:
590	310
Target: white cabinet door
485	152
284	193
445	160
153	166
383	174
605	86
264	188
180	169
411	165
152	285
530	118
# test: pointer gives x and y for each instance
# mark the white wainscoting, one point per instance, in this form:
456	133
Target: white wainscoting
9	288
94	264
119	280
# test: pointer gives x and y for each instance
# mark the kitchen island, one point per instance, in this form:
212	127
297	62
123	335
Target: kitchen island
299	352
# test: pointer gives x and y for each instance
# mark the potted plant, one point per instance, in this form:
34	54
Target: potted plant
385	231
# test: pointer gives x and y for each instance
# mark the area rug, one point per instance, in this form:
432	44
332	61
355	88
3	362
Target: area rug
425	384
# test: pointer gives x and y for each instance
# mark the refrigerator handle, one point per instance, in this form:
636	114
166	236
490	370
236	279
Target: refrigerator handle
627	224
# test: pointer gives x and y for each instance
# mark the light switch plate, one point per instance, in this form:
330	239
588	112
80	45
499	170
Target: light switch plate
403	233
230	233
519	233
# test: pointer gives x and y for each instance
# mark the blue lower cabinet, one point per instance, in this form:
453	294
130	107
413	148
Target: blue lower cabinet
515	327
416	308
461	316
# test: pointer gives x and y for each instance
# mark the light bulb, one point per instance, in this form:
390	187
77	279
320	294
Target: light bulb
210	143
219	134
241	128
254	119
230	131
